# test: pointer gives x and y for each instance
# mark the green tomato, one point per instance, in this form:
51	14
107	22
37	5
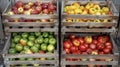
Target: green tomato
50	48
31	38
43	47
52	41
39	40
17	39
24	35
37	34
34	49
30	43
45	34
12	51
12	45
19	47
46	40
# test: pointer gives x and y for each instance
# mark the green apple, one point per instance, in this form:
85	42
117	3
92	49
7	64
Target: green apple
31	38
50	48
30	43
43	47
24	35
19	47
34	49
46	40
17	38
52	41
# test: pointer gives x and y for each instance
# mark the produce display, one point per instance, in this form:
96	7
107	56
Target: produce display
30	20
89	45
89	8
33	42
33	8
87	20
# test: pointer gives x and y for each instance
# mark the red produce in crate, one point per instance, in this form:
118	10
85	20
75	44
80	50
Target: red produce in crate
81	40
88	39
109	45
82	48
75	42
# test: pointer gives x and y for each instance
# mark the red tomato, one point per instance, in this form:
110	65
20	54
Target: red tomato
100	46
75	42
67	51
102	39
73	49
86	45
82	48
95	41
109	45
66	44
88	39
89	51
72	36
92	46
81	40
106	51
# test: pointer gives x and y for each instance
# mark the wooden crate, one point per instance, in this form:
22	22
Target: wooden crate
42	63
110	4
114	55
40	16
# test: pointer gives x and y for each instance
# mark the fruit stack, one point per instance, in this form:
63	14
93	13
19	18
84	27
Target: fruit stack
31	29
85	28
88	14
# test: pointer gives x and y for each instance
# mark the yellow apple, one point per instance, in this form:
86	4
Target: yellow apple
10	13
69	20
98	13
105	9
103	13
89	5
72	7
84	12
92	11
76	4
82	7
66	8
97	7
78	11
71	12
27	12
20	9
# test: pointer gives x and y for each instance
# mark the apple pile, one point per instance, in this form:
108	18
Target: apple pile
33	8
31	43
87	20
89	8
91	45
30	20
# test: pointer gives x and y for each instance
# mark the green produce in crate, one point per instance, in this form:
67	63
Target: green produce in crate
25	35
39	40
12	45
37	34
52	41
30	43
34	49
44	47
50	48
26	48
23	41
28	51
19	47
22	52
12	51
45	34
31	38
37	45
17	38
46	40
14	34
50	36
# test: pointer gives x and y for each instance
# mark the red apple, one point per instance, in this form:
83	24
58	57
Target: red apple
34	11
81	40
46	11
89	51
26	7
52	8
19	4
39	8
14	8
44	6
75	42
66	45
72	36
82	48
15	11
